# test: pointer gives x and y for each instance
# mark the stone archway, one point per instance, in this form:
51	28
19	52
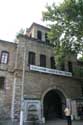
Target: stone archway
53	104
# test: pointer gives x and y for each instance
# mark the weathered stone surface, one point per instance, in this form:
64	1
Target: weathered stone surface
36	84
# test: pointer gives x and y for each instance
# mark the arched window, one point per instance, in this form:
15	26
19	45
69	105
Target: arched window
4	57
2	82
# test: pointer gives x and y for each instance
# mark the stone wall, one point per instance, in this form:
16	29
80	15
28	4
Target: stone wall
6	71
37	83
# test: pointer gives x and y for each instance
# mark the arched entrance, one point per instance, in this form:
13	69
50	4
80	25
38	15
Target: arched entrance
53	104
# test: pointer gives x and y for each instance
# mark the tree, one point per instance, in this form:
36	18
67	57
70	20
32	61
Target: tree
20	33
81	59
66	24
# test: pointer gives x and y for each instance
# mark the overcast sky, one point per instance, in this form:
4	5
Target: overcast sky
17	14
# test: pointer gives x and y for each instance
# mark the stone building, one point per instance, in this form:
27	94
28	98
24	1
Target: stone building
28	71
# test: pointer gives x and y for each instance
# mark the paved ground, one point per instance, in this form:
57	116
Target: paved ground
57	122
63	122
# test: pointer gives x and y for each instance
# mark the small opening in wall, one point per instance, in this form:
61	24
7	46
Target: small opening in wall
2	82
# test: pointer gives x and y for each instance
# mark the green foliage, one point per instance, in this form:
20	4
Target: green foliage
20	33
66	23
81	58
78	72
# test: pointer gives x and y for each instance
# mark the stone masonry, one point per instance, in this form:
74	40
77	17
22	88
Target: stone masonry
36	84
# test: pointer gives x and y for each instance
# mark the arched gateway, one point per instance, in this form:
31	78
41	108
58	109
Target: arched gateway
53	104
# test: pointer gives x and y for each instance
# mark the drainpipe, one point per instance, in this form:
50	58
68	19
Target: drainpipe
22	85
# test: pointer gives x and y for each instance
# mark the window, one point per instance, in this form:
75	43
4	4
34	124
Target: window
46	38
4	57
52	62
70	66
39	35
31	59
43	60
2	82
62	67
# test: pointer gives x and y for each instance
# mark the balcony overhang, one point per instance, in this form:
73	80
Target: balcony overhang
50	71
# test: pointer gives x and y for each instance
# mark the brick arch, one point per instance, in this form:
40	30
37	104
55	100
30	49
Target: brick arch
57	94
53	88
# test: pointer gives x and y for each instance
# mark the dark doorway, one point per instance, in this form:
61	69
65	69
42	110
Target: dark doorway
53	105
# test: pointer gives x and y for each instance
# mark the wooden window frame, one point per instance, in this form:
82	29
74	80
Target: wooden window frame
43	60
4	58
31	58
39	35
52	63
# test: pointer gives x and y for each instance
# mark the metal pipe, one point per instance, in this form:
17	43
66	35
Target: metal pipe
22	86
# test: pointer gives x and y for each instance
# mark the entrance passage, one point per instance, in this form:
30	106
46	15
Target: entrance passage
54	103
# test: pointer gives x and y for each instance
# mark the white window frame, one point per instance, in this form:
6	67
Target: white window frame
4	57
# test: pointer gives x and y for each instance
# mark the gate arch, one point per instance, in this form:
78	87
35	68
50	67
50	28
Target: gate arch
54	102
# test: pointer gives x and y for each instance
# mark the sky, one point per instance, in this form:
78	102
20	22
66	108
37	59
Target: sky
17	14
